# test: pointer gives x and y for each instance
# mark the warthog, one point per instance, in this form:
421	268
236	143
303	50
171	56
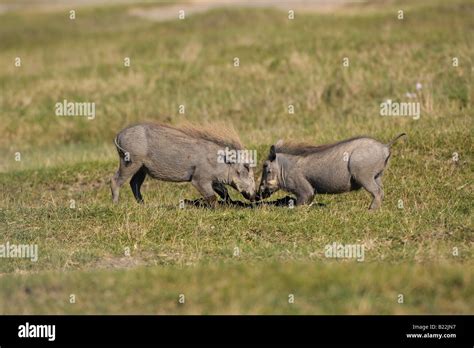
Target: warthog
181	154
305	170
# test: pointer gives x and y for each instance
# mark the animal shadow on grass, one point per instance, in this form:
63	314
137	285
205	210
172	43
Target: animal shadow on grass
281	202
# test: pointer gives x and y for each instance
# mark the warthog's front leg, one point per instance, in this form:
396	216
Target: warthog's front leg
304	199
304	192
221	190
206	190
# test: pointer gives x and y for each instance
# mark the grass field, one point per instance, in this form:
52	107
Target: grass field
139	259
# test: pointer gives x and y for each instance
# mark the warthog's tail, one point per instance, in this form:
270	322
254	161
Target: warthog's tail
122	152
396	138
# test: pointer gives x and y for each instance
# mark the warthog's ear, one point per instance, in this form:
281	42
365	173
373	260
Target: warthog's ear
272	154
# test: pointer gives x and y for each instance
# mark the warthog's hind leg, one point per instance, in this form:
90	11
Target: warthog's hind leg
378	181
370	184
136	183
123	173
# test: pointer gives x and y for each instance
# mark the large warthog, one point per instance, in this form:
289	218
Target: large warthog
193	154
305	170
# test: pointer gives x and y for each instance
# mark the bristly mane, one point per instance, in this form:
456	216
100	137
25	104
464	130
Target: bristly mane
217	133
304	149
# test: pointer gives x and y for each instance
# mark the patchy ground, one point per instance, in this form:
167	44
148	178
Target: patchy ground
167	10
164	13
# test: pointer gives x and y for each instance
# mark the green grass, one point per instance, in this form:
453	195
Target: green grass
172	251
262	288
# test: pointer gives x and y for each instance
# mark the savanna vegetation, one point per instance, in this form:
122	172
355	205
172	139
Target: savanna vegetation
129	258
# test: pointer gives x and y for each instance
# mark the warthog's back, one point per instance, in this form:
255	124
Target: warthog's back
166	152
328	168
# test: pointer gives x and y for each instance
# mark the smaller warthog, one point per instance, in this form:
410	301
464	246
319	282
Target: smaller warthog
182	154
305	170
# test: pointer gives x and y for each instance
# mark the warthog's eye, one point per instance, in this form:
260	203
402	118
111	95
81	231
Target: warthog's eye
246	166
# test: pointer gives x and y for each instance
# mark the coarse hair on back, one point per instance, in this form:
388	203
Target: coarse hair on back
305	149
218	133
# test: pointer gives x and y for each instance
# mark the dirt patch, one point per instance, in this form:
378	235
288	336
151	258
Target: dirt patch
7	7
165	11
56	5
172	12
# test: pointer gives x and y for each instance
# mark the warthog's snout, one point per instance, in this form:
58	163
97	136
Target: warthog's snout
250	196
